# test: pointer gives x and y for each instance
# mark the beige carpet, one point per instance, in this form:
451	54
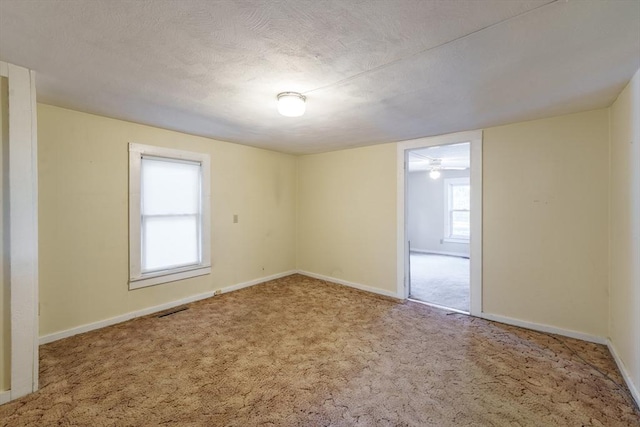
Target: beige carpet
441	279
302	352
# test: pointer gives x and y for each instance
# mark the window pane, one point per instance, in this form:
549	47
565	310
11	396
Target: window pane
169	242
460	197
169	187
460	225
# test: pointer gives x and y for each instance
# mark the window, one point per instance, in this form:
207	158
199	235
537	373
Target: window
169	202
457	218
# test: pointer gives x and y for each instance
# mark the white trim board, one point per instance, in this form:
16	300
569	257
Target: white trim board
257	281
45	339
350	284
625	373
5	397
23	229
544	328
427	251
34	220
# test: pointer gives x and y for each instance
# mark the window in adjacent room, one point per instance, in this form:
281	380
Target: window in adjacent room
169	201
457	214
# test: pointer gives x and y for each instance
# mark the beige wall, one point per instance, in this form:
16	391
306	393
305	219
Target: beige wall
624	330
347	215
545	213
425	212
83	208
5	314
545	219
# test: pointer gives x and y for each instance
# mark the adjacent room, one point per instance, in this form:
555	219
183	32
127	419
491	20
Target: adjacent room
320	213
439	225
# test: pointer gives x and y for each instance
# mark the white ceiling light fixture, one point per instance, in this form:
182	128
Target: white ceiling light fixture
291	104
436	165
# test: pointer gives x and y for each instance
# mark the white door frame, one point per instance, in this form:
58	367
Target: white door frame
23	230
475	140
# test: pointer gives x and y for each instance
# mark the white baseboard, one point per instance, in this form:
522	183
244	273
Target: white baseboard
5	396
625	373
45	339
350	284
257	281
426	251
544	328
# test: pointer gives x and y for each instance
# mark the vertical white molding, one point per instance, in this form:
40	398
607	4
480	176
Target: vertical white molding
402	260
34	198
134	212
476	227
23	225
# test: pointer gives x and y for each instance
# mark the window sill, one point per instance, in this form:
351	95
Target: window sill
455	240
168	276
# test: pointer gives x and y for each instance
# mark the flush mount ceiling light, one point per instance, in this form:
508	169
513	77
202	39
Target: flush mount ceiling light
291	104
434	174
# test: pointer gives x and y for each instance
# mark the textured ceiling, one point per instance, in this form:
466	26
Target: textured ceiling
372	71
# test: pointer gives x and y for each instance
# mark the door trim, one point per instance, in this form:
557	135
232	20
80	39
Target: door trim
23	229
475	244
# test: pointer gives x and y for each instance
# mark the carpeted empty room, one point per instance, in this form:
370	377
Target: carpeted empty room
299	351
320	213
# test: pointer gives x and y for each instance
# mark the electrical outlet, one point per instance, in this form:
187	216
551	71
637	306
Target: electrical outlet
235	218
217	292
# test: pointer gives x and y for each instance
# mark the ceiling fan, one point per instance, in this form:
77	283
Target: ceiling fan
435	165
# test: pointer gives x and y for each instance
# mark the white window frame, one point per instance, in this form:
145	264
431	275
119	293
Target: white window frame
138	279
448	183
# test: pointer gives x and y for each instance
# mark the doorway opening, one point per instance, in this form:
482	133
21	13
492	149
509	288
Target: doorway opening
440	212
439	224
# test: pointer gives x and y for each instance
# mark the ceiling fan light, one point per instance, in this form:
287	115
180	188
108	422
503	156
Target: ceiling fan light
434	174
291	104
